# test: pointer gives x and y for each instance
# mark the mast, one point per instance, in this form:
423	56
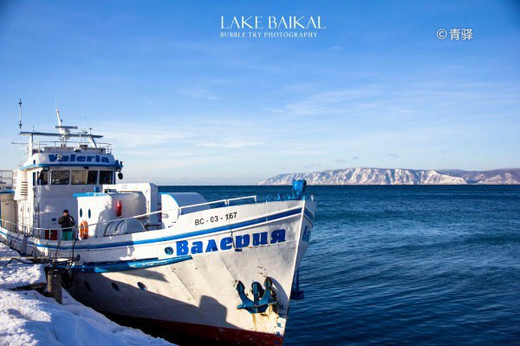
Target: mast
58	115
64	132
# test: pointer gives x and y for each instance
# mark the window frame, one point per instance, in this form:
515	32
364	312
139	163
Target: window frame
111	175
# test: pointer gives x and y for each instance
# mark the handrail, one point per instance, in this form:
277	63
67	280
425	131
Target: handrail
71	141
41	145
225	201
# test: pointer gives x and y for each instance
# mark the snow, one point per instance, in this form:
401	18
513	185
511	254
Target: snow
367	176
29	318
386	176
17	274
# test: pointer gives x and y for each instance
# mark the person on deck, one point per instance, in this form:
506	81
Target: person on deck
66	221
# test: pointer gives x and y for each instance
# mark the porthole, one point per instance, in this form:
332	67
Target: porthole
115	286
168	250
142	286
81	212
87	286
89	213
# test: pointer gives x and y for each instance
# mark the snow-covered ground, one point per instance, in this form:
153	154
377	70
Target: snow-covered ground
18	274
28	318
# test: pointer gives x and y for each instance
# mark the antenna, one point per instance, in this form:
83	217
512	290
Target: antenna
58	114
20	122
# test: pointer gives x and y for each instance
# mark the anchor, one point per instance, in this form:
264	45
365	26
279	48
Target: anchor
262	297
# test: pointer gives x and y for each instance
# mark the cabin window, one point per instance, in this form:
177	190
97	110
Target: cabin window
82	177
79	177
105	177
44	177
92	177
60	177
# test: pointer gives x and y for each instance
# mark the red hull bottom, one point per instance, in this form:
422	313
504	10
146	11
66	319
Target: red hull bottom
194	334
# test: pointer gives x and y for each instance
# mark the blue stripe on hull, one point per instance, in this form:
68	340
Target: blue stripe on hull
107	267
309	215
11	238
173	237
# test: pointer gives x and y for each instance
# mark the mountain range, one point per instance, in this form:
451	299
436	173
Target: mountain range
398	176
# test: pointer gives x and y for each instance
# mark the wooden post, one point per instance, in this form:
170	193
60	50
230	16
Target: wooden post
53	288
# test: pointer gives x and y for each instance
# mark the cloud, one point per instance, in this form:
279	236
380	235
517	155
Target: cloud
385	99
395	156
199	93
229	143
323	103
313	165
133	135
334	101
193	133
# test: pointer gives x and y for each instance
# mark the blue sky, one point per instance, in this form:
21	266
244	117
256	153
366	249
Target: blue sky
377	88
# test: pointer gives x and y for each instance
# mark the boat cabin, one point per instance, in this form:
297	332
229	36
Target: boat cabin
54	171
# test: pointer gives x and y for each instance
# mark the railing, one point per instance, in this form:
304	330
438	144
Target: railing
39	146
36	231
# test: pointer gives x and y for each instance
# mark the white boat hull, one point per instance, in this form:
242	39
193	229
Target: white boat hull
185	278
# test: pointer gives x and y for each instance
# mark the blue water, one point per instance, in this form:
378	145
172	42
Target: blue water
407	265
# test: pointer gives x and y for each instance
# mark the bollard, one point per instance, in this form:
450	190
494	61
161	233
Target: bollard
53	288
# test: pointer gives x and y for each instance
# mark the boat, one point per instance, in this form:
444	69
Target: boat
171	262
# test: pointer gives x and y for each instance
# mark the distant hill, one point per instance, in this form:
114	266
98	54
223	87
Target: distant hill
386	176
496	176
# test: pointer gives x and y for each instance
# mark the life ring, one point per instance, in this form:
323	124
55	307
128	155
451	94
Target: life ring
83	230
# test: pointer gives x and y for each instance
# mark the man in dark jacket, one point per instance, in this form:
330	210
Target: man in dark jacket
66	221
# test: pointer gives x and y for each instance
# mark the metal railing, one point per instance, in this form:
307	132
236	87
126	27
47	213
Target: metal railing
40	146
36	231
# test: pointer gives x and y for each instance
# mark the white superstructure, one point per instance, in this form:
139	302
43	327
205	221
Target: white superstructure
172	262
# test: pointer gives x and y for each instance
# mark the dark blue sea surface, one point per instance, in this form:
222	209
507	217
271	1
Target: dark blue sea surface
406	264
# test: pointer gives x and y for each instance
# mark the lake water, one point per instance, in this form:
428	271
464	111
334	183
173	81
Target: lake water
406	264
